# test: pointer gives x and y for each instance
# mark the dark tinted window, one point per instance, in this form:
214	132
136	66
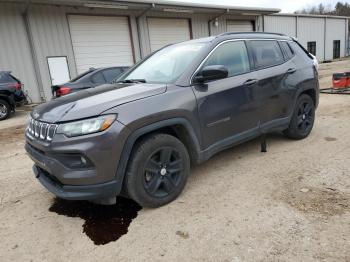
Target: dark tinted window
6	78
288	51
267	53
311	47
111	74
98	78
336	49
81	77
233	55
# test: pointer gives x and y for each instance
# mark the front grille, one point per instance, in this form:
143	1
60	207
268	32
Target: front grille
41	130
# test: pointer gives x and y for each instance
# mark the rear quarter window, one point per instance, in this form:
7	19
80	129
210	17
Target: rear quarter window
267	53
287	50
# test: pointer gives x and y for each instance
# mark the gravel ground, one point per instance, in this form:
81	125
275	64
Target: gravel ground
289	204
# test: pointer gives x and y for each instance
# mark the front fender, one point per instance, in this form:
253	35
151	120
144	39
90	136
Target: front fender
130	142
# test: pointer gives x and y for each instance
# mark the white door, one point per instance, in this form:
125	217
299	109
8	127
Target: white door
164	31
100	41
239	26
58	67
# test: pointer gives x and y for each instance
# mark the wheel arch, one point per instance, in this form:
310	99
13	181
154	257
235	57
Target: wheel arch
9	100
177	127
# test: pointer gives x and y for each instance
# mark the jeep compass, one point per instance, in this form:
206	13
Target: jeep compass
138	136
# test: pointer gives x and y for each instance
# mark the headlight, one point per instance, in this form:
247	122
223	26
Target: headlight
87	126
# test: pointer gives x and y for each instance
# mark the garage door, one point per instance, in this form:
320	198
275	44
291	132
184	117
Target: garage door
167	31
100	41
239	26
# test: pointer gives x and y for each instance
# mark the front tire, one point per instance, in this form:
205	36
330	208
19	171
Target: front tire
157	171
5	110
303	118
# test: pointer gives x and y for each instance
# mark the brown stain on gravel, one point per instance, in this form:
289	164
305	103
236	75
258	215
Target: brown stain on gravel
12	134
103	224
324	201
329	139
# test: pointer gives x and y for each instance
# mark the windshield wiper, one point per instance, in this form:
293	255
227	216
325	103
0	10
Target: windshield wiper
133	81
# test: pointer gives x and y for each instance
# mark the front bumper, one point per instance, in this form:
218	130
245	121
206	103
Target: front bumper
89	192
56	169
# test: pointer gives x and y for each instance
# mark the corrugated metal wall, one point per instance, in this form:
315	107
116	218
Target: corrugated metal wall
312	29
336	30
309	29
280	24
51	36
15	54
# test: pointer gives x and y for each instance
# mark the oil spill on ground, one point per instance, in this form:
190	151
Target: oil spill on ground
103	224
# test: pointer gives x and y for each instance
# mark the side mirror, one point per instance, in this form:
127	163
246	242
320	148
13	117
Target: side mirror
213	72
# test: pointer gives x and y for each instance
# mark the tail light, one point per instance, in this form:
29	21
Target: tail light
63	90
18	86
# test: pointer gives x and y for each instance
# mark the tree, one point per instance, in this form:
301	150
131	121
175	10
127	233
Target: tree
340	9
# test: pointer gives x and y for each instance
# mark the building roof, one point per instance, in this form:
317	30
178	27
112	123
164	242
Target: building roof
309	15
206	6
176	6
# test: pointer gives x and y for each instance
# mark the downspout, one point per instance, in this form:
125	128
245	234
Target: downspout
32	51
296	27
324	39
217	17
139	29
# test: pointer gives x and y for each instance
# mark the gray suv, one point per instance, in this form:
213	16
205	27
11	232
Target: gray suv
181	105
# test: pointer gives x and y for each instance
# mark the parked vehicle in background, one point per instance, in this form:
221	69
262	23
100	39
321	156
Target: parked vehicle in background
181	105
91	78
11	93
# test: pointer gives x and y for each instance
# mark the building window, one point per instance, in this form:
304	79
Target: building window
336	49
311	47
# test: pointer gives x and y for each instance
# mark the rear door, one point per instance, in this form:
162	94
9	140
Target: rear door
228	108
274	85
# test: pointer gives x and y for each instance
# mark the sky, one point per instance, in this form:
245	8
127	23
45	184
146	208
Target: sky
287	6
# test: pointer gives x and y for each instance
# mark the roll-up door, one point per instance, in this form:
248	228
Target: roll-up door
164	31
100	41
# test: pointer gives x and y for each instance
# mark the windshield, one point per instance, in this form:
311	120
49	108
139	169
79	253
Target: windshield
166	65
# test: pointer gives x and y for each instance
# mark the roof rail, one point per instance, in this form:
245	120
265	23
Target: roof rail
239	33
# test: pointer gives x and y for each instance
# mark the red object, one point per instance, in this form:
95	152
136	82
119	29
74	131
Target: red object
63	90
341	80
18	86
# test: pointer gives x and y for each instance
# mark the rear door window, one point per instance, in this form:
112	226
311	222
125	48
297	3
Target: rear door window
267	53
232	55
98	78
111	74
6	78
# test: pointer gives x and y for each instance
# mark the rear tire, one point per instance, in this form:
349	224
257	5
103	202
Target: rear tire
157	171
5	110
303	118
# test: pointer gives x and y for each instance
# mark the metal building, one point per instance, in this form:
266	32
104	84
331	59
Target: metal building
324	36
44	42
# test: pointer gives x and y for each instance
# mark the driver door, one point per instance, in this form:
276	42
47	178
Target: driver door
228	108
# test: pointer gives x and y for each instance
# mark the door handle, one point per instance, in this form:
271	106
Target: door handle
250	82
291	70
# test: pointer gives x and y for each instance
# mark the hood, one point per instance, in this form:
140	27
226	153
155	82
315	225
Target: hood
94	101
